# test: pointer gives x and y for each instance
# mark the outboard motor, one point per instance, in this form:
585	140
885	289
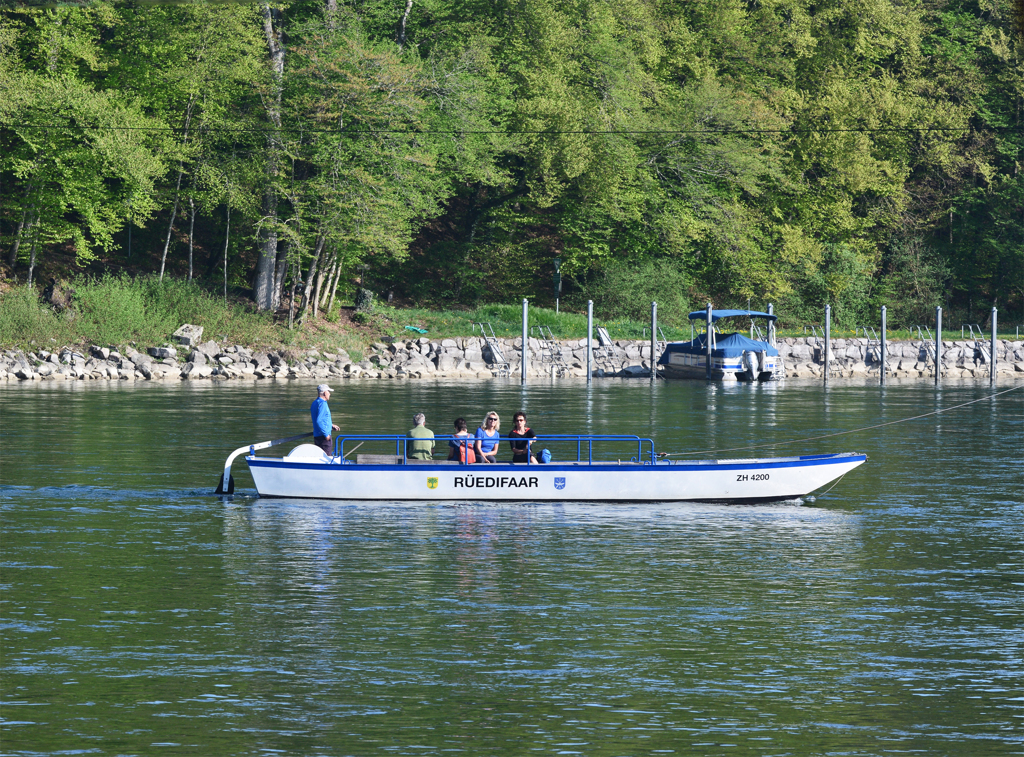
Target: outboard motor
749	363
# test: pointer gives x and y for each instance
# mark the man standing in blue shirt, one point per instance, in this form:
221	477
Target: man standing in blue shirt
322	425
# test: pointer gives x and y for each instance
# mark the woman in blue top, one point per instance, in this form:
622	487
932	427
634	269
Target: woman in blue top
487	437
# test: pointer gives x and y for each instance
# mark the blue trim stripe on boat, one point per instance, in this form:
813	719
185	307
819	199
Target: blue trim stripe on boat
801	462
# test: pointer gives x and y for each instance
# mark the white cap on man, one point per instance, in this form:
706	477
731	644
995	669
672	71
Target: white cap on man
321	388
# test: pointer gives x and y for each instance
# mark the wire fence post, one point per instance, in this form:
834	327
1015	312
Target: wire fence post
882	348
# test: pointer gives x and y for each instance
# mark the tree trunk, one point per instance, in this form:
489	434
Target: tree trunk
28	214
170	226
13	257
291	300
265	267
264	289
191	230
325	275
327	289
32	257
279	275
227	236
320	240
316	292
177	187
334	288
400	37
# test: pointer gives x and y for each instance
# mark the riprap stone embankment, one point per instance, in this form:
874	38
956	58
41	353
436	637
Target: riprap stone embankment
471	357
851	358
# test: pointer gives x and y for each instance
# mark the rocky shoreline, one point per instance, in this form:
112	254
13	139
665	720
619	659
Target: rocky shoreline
470	357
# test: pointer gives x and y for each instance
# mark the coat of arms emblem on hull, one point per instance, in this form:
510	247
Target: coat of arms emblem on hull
560	483
431	483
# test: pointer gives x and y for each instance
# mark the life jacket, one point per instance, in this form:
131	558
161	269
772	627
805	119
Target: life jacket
466	452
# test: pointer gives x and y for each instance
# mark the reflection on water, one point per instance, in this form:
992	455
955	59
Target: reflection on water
139	612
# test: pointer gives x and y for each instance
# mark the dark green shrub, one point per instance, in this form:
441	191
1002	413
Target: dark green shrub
624	290
23	319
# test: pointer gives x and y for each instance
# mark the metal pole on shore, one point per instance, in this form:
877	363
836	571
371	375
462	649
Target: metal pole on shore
590	341
992	349
707	345
882	350
938	343
526	342
654	342
828	340
771	325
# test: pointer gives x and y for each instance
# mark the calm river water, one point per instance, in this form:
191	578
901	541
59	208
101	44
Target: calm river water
141	615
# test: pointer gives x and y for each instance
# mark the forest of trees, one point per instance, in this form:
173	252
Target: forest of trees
851	152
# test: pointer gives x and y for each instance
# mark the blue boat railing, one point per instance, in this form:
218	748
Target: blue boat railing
584	443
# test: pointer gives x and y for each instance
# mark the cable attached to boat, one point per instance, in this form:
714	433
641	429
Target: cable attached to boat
834	485
840	433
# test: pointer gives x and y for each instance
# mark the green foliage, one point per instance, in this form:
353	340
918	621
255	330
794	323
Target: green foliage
117	310
506	321
624	291
911	283
364	300
778	150
23	319
112	310
843	281
74	180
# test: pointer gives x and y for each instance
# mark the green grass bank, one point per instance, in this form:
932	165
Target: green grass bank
118	310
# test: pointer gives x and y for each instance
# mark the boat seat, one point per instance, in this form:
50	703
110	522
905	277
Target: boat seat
379	460
306	452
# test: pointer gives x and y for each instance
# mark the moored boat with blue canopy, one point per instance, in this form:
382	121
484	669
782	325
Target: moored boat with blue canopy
720	356
584	468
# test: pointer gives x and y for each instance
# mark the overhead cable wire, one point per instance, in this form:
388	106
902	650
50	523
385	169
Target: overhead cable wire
536	132
842	433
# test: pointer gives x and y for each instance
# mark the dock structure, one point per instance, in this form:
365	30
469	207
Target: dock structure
499	364
550	350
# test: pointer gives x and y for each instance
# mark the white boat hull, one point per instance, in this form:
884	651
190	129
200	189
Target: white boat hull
690	366
714	480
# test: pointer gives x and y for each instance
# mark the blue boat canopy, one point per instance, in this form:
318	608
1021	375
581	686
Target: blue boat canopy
701	315
726	345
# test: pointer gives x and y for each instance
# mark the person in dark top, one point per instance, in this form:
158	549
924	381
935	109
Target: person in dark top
461	447
520	431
